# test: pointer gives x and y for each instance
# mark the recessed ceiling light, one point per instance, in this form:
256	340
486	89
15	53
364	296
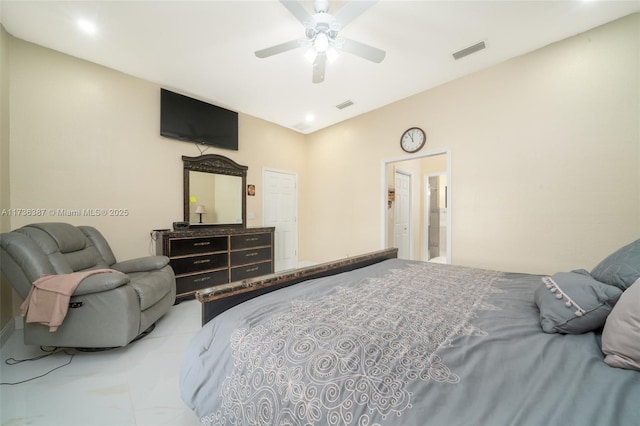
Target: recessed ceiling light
87	26
309	118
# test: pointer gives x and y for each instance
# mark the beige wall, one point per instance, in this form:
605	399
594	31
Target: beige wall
544	150
5	225
545	153
85	136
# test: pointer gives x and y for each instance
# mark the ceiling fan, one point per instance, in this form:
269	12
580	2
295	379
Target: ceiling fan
321	35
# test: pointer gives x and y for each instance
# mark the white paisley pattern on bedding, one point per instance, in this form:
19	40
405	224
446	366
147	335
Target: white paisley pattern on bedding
354	350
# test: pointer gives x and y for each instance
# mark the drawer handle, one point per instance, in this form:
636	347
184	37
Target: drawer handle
204	243
199	280
196	262
255	253
252	269
251	239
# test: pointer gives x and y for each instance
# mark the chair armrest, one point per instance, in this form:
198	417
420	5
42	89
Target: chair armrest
101	282
141	264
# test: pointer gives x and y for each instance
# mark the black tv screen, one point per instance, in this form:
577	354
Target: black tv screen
188	119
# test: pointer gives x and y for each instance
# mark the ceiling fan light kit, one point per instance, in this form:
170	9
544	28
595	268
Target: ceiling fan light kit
321	31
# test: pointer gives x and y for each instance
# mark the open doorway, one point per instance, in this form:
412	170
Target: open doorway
429	210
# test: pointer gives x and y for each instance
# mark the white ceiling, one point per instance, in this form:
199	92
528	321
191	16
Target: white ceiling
206	48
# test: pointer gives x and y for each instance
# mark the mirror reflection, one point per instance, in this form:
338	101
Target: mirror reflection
214	198
214	191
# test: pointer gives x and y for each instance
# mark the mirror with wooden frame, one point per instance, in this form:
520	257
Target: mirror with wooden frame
214	191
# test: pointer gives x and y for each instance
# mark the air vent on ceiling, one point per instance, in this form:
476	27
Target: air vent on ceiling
344	104
469	50
302	126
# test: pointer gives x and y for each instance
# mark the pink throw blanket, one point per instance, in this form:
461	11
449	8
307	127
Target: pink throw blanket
48	299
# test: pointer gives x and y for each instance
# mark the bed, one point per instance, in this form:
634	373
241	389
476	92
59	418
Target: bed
379	340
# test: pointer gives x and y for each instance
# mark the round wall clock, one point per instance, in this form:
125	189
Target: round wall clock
413	139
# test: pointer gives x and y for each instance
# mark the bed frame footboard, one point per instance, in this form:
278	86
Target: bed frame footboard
218	299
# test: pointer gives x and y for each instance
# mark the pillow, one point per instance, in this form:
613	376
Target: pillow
621	334
574	303
621	268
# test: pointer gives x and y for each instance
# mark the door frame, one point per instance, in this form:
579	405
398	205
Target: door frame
384	185
266	170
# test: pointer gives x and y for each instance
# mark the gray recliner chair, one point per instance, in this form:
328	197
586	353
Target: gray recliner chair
107	309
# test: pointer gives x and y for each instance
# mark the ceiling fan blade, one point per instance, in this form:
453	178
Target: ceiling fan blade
278	48
319	67
297	10
352	10
365	51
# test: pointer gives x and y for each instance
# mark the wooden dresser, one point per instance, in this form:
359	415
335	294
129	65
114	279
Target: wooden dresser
206	257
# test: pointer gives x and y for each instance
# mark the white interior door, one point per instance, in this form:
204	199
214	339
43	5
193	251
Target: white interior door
280	207
402	215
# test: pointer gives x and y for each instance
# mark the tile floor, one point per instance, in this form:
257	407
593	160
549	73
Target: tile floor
134	385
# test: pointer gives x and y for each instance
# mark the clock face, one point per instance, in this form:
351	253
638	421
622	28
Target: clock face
413	139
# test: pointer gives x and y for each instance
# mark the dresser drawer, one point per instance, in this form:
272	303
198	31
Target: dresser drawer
250	271
250	240
185	246
193	283
244	257
185	265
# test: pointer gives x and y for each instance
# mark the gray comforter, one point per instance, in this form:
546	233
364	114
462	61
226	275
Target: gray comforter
402	343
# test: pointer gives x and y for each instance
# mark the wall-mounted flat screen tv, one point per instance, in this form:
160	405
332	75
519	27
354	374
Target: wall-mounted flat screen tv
188	119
